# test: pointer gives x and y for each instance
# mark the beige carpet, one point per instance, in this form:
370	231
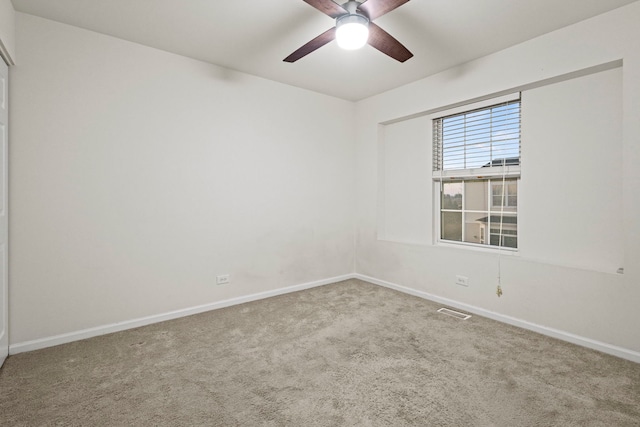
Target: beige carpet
347	354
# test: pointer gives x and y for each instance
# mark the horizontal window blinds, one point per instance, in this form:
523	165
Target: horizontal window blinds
477	139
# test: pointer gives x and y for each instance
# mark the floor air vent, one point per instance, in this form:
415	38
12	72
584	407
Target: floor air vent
455	314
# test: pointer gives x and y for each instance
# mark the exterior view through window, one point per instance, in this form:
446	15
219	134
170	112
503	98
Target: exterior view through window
477	167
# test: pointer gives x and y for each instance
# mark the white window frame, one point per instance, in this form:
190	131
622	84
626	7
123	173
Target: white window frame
494	174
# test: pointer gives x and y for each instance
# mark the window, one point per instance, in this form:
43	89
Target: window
476	169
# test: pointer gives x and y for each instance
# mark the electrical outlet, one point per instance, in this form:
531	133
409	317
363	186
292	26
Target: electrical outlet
462	280
223	279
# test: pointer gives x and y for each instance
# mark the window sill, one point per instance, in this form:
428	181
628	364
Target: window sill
478	248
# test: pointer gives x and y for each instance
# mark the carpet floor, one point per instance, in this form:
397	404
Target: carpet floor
346	354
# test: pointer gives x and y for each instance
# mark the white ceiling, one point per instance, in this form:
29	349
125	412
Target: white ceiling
254	36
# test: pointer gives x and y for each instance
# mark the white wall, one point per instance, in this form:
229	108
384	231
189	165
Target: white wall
7	30
138	175
571	192
404	182
593	304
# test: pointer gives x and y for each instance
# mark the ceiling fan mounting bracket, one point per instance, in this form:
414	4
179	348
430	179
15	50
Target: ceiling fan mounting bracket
352	7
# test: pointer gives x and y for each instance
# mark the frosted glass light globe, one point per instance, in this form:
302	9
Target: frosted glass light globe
352	32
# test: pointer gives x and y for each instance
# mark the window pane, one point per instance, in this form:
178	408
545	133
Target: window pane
452	226
466	217
475	226
475	193
510	241
509	221
509	230
512	193
477	157
508	201
507	241
496	193
479	138
452	195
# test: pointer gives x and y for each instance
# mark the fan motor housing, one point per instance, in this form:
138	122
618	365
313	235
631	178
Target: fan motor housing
354	18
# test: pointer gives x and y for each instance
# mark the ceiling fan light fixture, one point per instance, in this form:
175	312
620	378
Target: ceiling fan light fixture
355	27
352	31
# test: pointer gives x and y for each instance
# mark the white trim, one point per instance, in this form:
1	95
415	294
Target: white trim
621	352
135	323
143	321
477	247
509	171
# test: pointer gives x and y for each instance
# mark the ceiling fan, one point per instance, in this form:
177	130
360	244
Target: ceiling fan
354	28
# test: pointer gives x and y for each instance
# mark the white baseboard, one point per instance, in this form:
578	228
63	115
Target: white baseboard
621	352
135	323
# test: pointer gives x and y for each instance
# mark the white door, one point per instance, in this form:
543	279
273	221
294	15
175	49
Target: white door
4	278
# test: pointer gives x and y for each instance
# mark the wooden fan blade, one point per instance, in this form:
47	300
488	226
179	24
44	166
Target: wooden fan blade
327	7
376	8
314	44
386	44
